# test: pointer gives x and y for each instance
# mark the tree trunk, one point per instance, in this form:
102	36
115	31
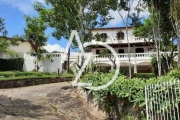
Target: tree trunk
68	61
129	48
178	62
159	61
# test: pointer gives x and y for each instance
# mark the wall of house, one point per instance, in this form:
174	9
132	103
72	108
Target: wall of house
111	33
23	47
45	65
125	49
1	55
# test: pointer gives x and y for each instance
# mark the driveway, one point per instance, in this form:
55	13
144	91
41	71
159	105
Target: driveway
57	101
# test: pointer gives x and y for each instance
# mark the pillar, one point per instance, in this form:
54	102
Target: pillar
112	67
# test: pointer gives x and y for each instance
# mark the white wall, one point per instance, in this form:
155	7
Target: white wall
45	65
1	55
111	33
125	49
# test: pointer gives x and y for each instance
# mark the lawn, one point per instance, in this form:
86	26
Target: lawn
13	75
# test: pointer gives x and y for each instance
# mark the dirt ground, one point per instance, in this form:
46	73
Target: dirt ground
57	101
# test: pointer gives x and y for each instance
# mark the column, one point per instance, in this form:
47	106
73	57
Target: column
135	64
112	67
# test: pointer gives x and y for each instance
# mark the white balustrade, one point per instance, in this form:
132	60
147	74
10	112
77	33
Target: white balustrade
140	56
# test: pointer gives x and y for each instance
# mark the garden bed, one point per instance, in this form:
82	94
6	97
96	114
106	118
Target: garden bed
21	79
32	81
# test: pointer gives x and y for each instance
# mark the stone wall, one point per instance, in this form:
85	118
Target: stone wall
32	81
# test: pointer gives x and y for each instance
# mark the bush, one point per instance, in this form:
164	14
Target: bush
174	73
123	71
144	75
17	74
129	93
11	64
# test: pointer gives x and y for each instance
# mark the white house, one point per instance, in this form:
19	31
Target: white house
140	51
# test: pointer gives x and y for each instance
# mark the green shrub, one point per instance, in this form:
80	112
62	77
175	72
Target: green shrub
174	73
144	75
11	64
38	74
17	74
123	71
130	92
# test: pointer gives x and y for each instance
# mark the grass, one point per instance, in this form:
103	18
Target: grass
9	75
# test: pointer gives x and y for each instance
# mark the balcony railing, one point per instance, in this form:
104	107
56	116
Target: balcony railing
137	56
131	40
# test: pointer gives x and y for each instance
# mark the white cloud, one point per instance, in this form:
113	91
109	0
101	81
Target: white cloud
55	47
23	5
117	19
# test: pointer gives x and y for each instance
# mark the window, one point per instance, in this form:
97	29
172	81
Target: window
120	35
103	35
121	51
97	51
139	50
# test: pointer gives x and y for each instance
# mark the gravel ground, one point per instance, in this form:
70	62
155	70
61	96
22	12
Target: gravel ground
57	101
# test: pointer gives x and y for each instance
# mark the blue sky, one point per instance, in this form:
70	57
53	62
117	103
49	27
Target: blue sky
13	12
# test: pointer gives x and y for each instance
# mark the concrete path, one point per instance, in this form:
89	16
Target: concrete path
57	101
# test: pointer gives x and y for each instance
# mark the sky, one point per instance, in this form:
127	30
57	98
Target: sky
13	11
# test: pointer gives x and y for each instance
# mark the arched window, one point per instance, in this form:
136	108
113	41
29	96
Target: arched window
120	35
121	51
103	35
139	50
97	51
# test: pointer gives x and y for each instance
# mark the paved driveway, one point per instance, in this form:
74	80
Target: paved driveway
57	101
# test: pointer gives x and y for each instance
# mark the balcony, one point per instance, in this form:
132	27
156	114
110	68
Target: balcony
131	40
141	57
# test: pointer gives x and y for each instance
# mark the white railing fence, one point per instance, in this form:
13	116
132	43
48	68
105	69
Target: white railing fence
73	57
163	101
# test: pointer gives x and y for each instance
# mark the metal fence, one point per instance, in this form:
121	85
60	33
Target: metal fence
163	101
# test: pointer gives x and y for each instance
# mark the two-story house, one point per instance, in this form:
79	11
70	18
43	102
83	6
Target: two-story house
116	37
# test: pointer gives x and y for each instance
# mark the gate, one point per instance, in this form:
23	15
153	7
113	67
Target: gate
163	100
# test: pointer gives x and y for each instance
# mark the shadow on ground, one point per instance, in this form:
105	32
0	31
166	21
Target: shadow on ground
45	102
18	107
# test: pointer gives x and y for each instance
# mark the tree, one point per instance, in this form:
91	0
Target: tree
175	20
153	29
125	7
5	42
81	15
35	35
163	29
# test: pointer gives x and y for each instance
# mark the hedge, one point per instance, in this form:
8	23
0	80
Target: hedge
11	64
17	74
144	75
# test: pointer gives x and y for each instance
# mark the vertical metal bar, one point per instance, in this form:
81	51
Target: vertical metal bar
146	100
170	115
152	104
166	98
172	96
158	99
178	100
175	89
155	105
162	100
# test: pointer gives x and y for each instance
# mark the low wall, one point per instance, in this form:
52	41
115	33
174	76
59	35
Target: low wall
31	81
45	65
